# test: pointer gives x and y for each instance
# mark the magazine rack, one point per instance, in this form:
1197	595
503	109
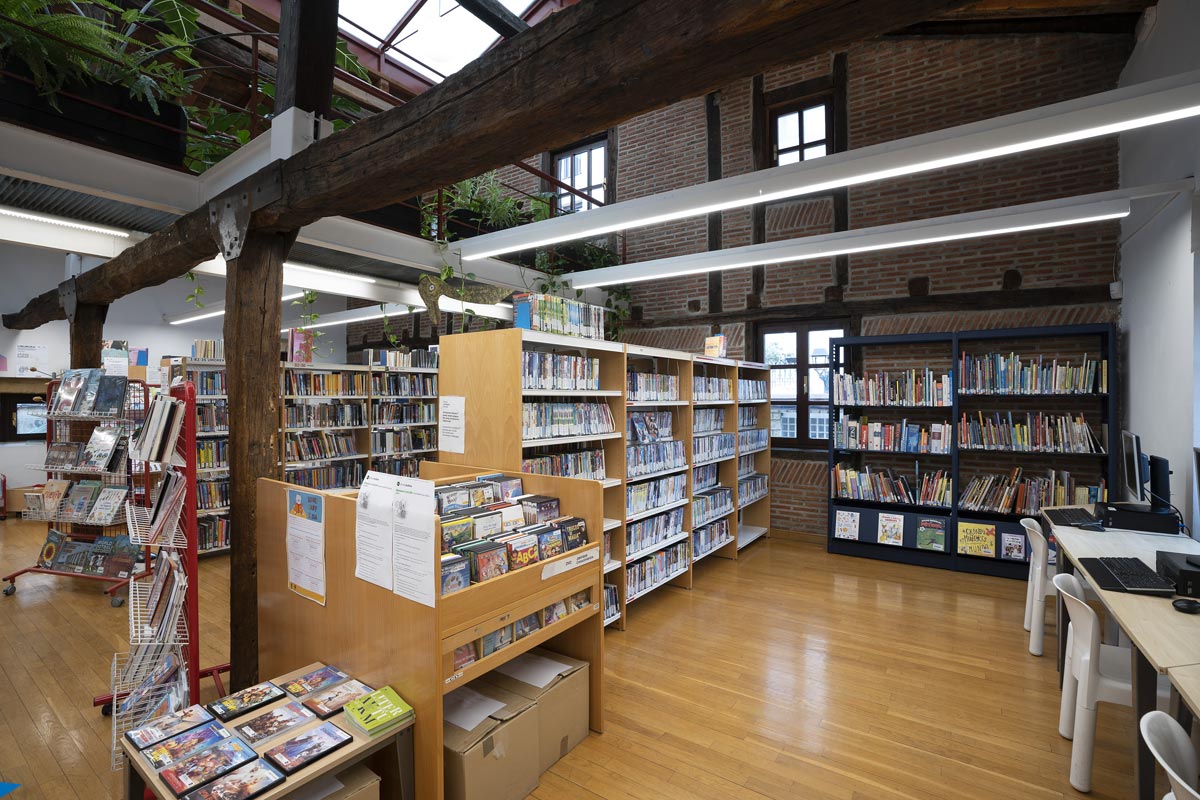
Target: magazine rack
78	428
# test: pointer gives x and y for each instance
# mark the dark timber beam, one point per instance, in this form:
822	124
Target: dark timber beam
493	14
307	45
605	61
87	333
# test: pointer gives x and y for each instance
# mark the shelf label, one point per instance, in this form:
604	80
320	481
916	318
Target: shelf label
571	562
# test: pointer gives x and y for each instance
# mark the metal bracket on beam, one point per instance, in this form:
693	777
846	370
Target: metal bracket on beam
68	297
229	212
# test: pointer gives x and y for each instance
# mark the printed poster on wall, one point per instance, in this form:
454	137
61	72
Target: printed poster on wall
306	544
30	360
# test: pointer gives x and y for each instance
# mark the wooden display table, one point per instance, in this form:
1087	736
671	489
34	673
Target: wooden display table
390	756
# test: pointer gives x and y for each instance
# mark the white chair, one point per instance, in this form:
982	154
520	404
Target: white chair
1039	587
1173	750
1092	673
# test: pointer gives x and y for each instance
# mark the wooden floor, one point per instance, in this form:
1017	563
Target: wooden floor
789	674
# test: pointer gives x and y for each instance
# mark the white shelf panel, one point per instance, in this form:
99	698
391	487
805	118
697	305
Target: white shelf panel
755	450
710	520
591	437
663	582
388	426
656	352
611	620
609	566
658	474
749	533
395	397
212	551
698	403
753	501
611	524
422	370
654	548
212	512
653	403
711	550
324	397
558	340
210	470
308	366
200	398
403	453
652	511
753	402
715	460
571	393
609	483
320	461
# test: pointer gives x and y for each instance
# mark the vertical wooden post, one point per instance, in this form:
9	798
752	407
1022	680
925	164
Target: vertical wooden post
253	316
87	332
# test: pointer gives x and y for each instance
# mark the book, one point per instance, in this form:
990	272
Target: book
207	765
555	611
53	493
302	750
328	702
381	710
275	722
976	539
497	640
321	678
167	726
50	549
80	498
846	525
69	391
247	699
456	573
248	780
891	529
110	395
72	557
87	397
550	544
527	625
464	655
1012	546
108	503
182	745
97	454
63	455
33	501
931	535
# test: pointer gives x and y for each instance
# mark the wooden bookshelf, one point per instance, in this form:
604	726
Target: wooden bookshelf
212	438
403	404
754	510
414	651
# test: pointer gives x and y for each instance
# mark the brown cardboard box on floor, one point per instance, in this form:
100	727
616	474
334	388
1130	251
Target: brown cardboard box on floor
498	758
358	783
562	701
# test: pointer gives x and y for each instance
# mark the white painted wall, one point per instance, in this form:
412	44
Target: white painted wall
138	318
1158	260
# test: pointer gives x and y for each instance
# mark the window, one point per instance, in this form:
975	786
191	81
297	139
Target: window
801	132
583	168
798	355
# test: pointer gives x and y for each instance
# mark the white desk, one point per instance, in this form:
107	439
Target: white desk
1163	639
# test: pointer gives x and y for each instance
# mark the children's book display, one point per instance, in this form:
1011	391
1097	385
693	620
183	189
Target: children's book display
209	753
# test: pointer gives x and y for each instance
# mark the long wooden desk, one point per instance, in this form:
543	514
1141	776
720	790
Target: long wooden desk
392	751
1163	639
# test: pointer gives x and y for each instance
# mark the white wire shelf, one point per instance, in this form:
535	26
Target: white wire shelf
141	629
122	474
168	533
130	713
91	416
117	517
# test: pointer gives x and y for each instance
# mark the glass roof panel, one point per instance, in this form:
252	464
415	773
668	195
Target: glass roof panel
442	38
376	18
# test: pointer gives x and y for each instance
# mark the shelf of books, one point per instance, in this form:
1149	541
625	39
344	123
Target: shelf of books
324	419
402	410
89	479
212	443
941	443
754	453
512	564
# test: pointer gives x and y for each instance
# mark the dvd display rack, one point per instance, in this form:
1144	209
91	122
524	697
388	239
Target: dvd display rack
940	443
754	452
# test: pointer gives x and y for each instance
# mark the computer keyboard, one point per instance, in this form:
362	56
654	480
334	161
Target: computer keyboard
1118	574
1069	516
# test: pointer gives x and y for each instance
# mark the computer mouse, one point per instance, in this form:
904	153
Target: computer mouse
1187	606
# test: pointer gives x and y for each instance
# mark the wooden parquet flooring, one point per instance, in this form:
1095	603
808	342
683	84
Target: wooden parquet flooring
790	674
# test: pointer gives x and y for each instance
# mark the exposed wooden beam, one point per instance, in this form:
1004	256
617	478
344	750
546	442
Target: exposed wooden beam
87	334
493	14
606	62
307	45
992	9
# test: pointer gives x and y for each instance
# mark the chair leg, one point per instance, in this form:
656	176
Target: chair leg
1029	602
1066	708
1037	626
1083	747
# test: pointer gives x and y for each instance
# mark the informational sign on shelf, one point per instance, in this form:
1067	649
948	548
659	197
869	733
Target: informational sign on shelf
373	529
452	424
414	541
306	544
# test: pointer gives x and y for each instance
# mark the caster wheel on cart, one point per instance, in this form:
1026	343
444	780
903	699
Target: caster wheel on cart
117	602
106	709
10	590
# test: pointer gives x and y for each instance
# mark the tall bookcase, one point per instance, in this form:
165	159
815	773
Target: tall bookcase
488	370
402	417
212	449
754	452
914	527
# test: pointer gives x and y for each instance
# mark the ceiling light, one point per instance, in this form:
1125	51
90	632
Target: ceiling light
220	311
65	223
351	320
1015	219
326	273
1106	113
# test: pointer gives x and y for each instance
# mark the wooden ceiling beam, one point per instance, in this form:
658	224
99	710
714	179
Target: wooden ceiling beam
493	14
1025	9
583	69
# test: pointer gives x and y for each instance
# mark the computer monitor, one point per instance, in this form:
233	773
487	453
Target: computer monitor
1135	473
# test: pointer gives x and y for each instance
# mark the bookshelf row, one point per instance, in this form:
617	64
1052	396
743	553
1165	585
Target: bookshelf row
681	443
940	443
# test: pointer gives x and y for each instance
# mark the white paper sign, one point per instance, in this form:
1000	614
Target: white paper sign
116	365
31	359
153	376
373	529
571	562
306	544
414	544
452	424
533	669
466	708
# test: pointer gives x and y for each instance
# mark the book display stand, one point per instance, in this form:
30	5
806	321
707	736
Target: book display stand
1029	419
382	637
77	428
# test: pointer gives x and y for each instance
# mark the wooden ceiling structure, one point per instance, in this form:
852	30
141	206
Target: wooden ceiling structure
605	61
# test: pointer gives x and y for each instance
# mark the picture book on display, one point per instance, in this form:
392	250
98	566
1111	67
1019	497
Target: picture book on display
33	501
302	750
976	539
86	404
891	529
527	625
53	493
328	702
247	781
70	391
163	674
464	655
497	640
931	535
314	681
80	498
167	726
246	700
110	395
555	611
63	455
1012	546
273	723
51	548
183	745
846	525
97	454
381	710
108	504
206	765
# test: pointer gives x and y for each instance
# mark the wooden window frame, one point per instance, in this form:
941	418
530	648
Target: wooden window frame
802	403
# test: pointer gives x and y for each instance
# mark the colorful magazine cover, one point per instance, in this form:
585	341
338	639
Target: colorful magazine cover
329	701
165	727
891	529
248	780
314	681
206	765
272	723
846	525
931	535
298	752
247	699
1012	546
182	745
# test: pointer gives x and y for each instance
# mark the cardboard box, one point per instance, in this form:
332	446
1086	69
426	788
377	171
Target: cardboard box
498	758
358	783
563	702
14	499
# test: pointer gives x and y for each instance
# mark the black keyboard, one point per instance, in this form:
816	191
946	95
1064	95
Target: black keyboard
1127	575
1069	516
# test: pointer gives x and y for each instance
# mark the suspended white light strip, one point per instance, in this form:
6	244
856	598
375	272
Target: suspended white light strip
290	266
221	311
1127	108
351	320
62	221
1034	216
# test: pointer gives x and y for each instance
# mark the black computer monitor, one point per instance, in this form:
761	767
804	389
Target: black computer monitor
1135	474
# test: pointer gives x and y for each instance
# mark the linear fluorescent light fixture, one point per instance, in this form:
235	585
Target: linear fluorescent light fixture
1106	113
351	320
63	222
221	311
1015	219
291	266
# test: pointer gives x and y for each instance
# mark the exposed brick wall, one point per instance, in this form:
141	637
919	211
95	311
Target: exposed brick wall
799	494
